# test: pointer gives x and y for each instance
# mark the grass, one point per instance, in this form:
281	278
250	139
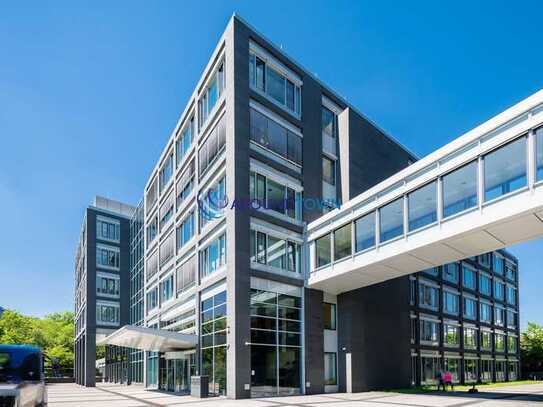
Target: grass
432	388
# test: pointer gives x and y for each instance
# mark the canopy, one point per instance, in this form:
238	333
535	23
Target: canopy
148	339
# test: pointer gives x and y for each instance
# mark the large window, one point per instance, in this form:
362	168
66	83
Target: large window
499	342
166	289
469	277
500	370
499	289
270	134
428	296
486	370
183	143
486	340
152	299
342	242
460	189
430	367
185	184
512	344
511	318
279	253
330	369
107	256
452	365
485	312
505	169
211	95
422	205
485	284
429	332
186	274
391	220
166	211
450	302
510	271
167	249
166	172
329	170
185	231
470	370
329	123
323	250
107	285
213	257
269	194
275	343
212	146
539	153
329	315
511	294
107	313
365	232
498	264
499	316
108	229
152	230
470	338
213	342
451	335
267	79
450	273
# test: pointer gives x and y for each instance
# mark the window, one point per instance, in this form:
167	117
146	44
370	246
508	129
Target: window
107	256
152	265
269	194
484	259
498	264
186	274
268	80
166	211
412	291
505	169
470	308
511	295
108	229
452	365
212	146
166	289
486	370
422	205
512	344
500	370
270	134
485	312
391	220
450	273
275	252
213	257
499	316
485	284
275	343
513	370
470	338
108	286
430	367
185	231
342	242
510	271
213	329
468	278
152	230
365	232
460	190
451	335
429	332
470	370
499	342
450	302
213	200
151	196
428	296
330	369
486	340
166	172
323	250
329	123
211	94
185	184
329	315
107	313
434	272
152	299
539	153
167	249
499	290
328	170
511	318
183	143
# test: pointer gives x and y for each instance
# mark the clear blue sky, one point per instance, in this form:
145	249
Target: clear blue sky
90	91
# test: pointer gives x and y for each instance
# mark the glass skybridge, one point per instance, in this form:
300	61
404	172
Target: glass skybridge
481	192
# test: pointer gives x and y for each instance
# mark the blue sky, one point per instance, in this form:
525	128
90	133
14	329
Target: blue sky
90	91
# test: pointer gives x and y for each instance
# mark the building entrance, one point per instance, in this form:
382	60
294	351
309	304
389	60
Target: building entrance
177	369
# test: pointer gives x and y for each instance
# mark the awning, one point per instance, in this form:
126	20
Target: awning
152	340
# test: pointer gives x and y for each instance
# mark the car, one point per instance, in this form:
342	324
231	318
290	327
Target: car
22	379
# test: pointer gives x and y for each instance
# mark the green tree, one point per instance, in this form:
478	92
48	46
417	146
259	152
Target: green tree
16	328
531	348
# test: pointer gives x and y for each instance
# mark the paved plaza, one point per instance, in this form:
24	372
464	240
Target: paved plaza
105	395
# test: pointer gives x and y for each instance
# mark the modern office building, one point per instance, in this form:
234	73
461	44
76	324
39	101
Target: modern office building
220	260
101	281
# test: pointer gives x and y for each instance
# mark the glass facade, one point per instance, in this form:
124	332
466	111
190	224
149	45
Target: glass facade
213	342
460	189
391	220
422	205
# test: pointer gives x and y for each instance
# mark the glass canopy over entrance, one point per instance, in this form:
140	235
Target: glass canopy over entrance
481	192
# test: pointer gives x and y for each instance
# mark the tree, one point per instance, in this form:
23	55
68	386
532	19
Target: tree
531	348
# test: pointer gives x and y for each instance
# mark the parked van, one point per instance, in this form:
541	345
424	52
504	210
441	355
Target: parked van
22	380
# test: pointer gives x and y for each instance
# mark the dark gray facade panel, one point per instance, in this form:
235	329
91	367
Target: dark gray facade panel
314	341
